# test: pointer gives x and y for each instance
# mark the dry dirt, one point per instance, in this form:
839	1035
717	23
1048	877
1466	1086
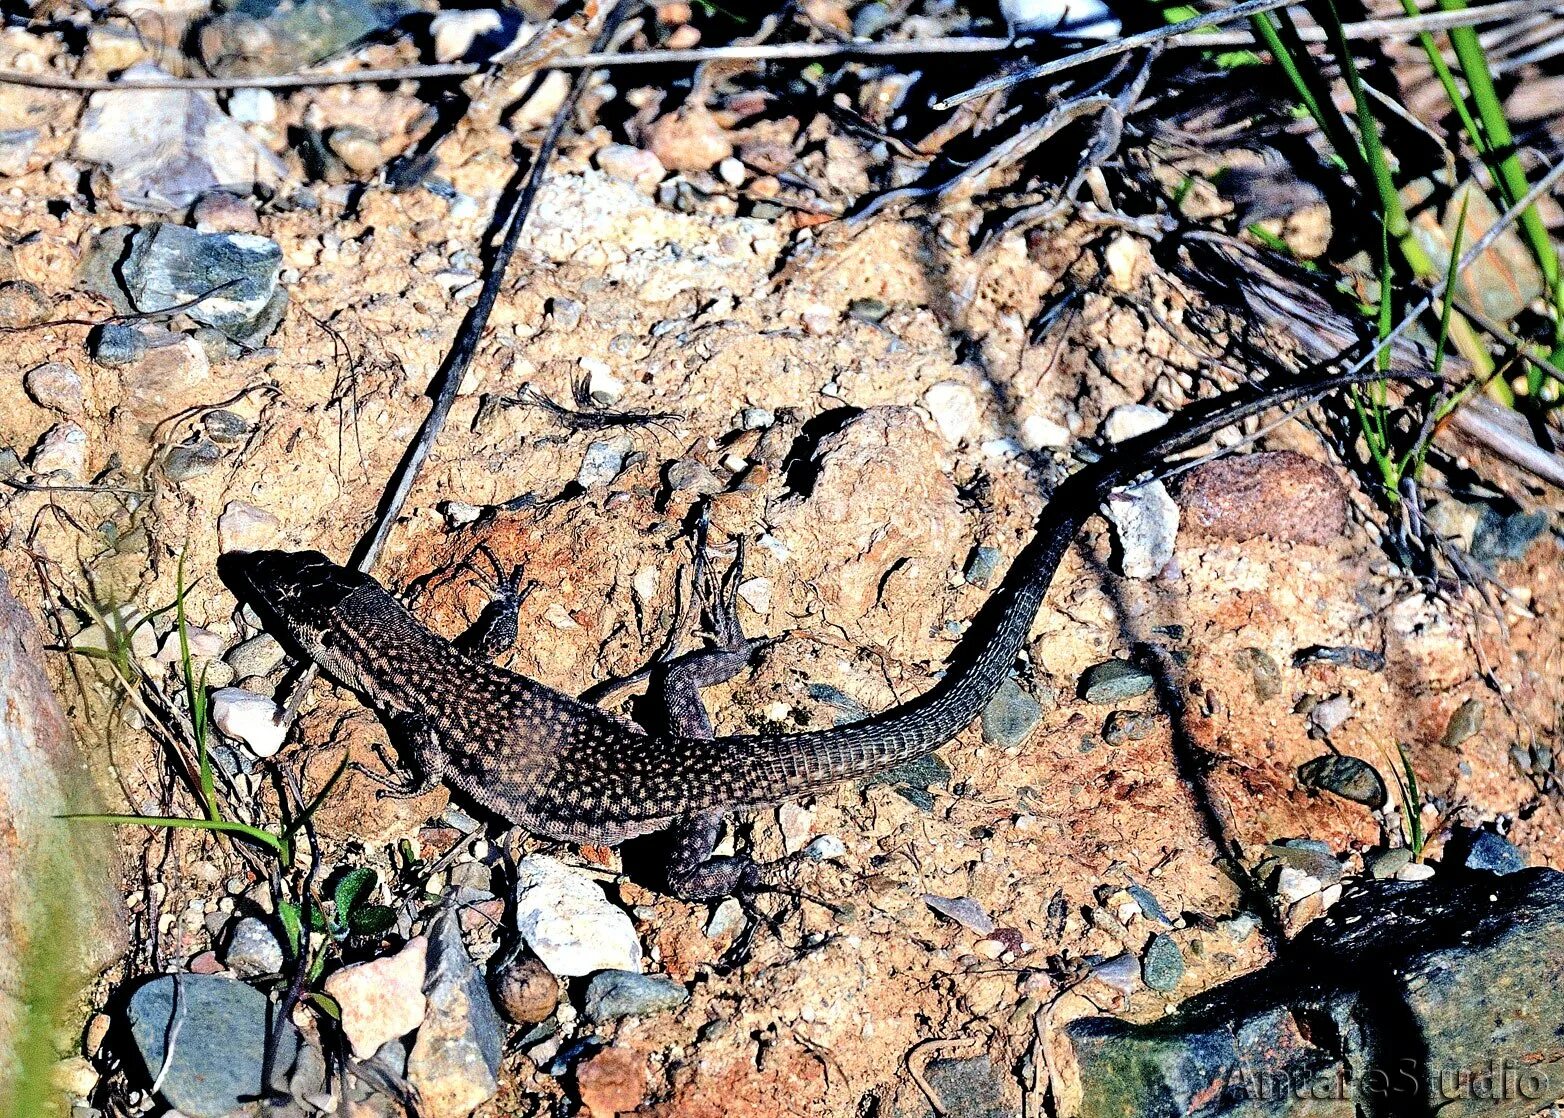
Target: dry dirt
861	512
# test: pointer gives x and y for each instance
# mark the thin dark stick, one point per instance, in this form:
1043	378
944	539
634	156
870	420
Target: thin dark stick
465	345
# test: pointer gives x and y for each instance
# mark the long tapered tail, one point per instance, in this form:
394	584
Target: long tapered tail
795	763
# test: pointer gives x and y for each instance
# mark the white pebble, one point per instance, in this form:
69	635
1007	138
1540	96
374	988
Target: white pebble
954	407
1128	420
249	718
568	922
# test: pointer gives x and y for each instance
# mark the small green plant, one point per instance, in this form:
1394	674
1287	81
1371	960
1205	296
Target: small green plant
353	914
280	845
1411	802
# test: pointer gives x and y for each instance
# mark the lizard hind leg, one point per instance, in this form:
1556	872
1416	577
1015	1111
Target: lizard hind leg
694	872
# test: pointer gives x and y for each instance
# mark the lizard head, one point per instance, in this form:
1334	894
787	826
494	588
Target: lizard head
296	593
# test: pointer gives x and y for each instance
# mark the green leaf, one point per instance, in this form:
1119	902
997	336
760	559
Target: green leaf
354	888
327	1005
292	926
371	920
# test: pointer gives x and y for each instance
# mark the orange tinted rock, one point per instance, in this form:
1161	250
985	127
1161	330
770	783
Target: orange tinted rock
1279	494
612	1082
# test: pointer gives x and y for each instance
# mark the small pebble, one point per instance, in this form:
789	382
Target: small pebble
526	991
825	848
1010	715
116	344
1264	672
613	994
1415	871
1162	966
56	386
383	998
565	313
1146	521
249	718
1129	420
756	419
603	461
568	922
1128	725
1113	681
225	427
189	461
1348	777
1465	721
61	453
1328	716
1383	865
963	910
983	567
22	304
253	949
260	655
243	527
1483	851
603	388
954	407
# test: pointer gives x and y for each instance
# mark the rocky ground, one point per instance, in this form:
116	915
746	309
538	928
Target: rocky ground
1203	743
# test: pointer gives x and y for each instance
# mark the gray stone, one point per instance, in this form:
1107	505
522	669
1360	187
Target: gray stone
279	36
1147	522
213	1065
1465	720
613	994
1114	681
1309	859
260	655
114	343
189	461
253	949
963	910
967	1088
1404	998
1349	777
1162	966
1506	537
22	304
16	148
1383	865
225	428
603	460
455	1062
983	567
1010	715
226	280
1482	851
163	149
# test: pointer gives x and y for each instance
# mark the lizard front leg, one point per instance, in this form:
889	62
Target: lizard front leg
421	741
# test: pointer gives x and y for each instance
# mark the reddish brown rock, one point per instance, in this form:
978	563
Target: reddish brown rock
1279	494
612	1082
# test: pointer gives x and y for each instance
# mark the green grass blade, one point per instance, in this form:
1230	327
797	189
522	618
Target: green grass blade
222	826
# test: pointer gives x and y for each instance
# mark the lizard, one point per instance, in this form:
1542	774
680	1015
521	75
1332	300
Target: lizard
567	770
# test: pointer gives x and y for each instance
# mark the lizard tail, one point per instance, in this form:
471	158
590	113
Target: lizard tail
790	764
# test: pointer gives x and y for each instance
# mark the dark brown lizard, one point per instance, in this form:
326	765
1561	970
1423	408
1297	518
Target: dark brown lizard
567	770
